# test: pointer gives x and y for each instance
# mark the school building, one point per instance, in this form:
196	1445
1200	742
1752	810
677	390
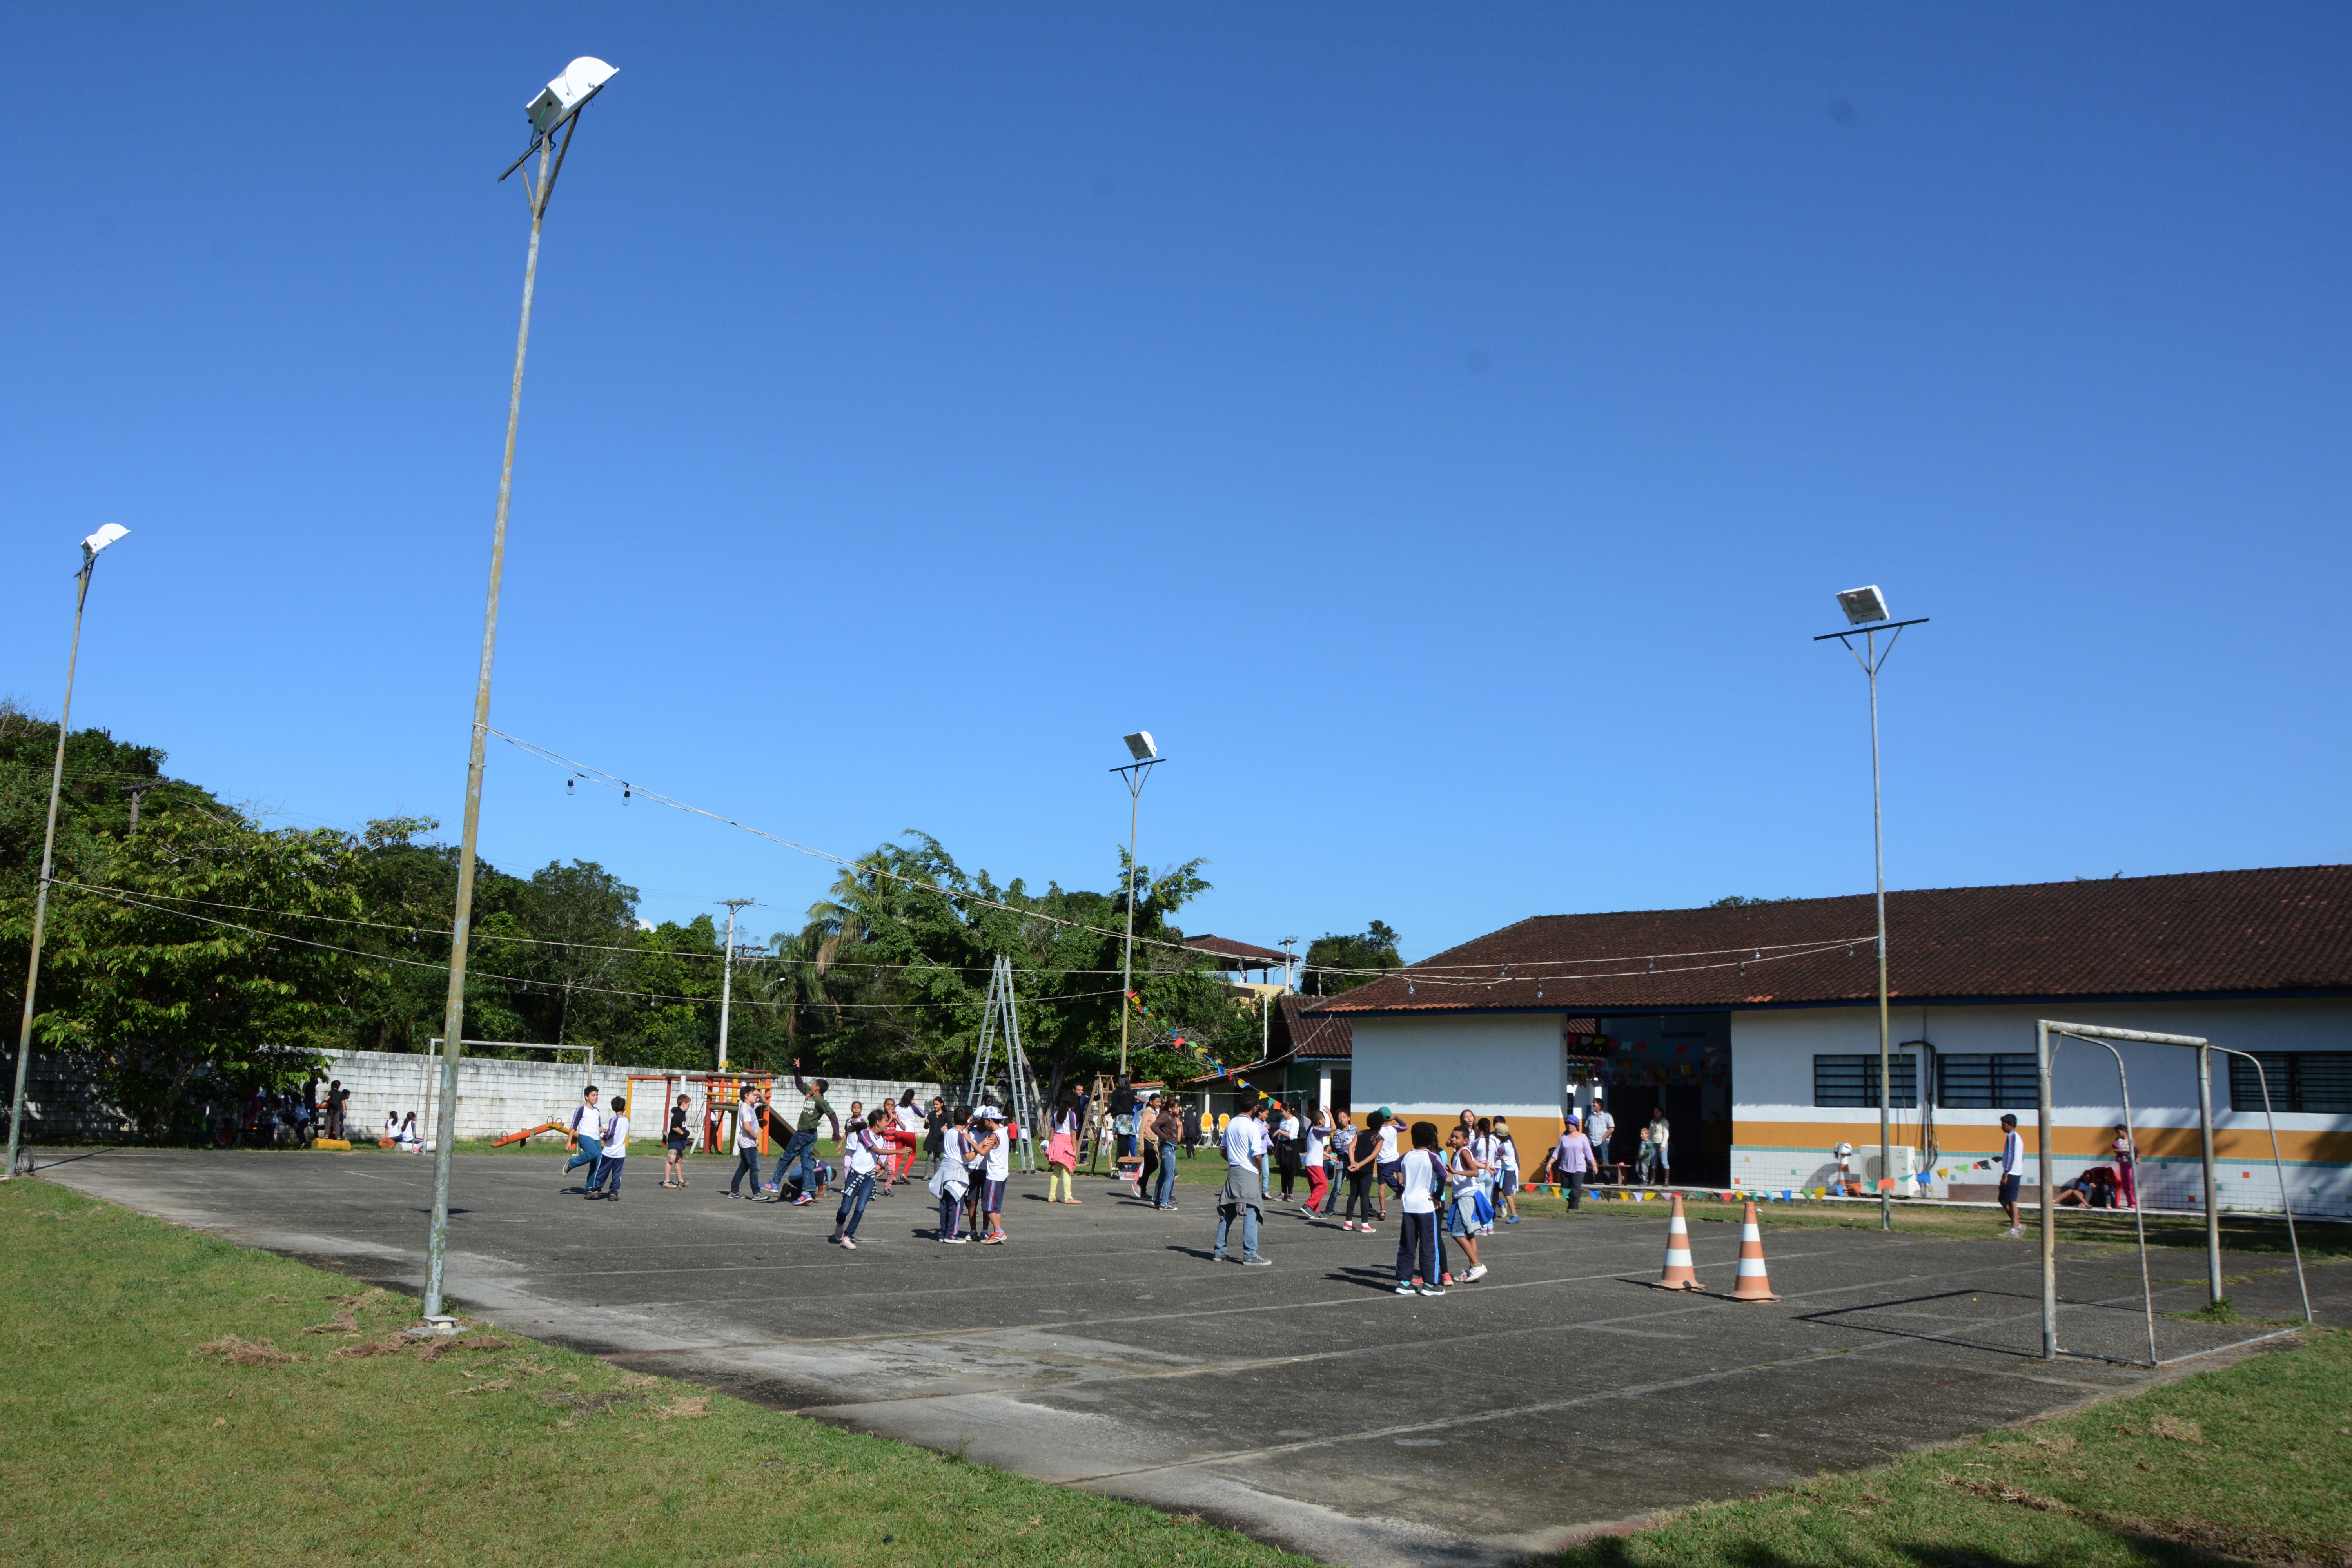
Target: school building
1755	1028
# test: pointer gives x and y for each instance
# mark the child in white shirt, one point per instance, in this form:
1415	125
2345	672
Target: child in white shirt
1422	1175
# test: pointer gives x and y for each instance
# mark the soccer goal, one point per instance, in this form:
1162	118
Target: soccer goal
2048	1032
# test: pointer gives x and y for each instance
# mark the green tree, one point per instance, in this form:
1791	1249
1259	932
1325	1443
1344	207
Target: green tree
1337	963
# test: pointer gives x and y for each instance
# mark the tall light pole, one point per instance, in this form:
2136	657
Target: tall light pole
1147	756
89	548
727	975
1865	608
555	107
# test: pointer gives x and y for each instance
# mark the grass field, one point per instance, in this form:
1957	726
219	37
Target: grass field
173	1399
2243	1464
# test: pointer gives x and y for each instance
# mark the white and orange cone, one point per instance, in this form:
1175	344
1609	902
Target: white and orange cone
1679	1274
1754	1285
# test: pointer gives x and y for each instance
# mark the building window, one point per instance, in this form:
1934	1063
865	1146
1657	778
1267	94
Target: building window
2316	1083
2008	1080
1853	1081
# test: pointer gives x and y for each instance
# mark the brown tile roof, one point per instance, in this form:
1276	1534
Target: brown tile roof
2204	933
1248	955
1318	1036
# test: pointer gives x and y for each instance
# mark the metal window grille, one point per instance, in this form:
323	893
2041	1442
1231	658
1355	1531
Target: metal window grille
2004	1081
2309	1082
1852	1081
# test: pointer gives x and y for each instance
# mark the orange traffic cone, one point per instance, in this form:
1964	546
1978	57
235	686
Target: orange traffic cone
1753	1285
1679	1274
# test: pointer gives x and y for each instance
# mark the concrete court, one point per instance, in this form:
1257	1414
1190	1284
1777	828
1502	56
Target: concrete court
1304	1403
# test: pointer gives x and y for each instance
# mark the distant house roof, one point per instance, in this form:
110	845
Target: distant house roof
2206	933
1316	1037
1238	954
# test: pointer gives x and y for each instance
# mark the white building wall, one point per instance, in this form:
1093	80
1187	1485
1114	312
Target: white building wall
1430	1068
1780	1139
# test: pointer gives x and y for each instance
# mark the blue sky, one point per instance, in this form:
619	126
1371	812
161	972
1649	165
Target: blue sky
1443	426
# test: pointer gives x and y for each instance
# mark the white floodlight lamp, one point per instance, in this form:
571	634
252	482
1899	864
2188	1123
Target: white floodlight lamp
1140	747
102	538
1863	605
563	96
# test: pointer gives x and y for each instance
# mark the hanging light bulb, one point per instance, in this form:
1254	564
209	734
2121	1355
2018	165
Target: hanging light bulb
567	785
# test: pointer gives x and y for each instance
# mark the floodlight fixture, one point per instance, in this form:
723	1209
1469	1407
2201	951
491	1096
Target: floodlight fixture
102	538
1141	746
1863	605
560	99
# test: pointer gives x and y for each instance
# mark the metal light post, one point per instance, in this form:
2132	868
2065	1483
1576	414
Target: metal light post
1147	756
726	976
1866	609
555	107
89	548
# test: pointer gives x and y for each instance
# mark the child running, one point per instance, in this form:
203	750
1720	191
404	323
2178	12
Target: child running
861	1153
1422	1172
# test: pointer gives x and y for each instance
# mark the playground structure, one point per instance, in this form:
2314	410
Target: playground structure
1000	1030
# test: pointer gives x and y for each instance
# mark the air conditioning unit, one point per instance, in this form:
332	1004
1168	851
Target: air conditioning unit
1903	1164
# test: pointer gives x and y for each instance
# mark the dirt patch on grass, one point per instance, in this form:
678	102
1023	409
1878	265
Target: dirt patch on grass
346	1321
2179	1431
683	1409
238	1352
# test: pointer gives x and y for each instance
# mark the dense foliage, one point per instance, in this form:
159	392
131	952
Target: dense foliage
204	955
1337	963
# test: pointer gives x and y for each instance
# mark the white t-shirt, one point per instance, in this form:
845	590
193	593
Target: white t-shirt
1388	1143
1245	1141
1000	1158
616	1137
1508	1153
748	1117
1315	1137
955	1152
2012	1155
1420	1174
1659	1132
588	1122
909	1118
859	1156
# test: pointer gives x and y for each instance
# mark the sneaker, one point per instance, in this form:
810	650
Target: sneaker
1513	1219
803	1201
850	1242
769	1187
1475	1274
1446	1278
1366	1227
1404	1289
1347	1225
1257	1262
957	1240
1431	1290
1217	1257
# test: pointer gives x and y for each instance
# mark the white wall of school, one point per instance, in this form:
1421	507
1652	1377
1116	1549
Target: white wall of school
1500	1065
1780	1139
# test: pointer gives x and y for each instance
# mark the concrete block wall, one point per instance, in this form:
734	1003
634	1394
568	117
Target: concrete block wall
496	1097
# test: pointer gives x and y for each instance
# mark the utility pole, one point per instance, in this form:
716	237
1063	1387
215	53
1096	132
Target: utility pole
727	975
135	791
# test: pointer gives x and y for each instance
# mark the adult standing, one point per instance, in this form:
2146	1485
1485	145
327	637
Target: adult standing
1571	1158
1245	1150
935	1132
1169	1127
1597	1127
749	1111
